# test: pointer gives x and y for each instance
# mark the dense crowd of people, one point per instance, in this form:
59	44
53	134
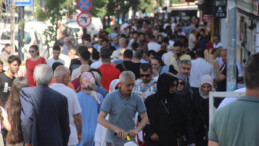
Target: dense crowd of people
146	82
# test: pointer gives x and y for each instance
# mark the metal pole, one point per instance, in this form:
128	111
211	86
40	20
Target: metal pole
231	46
21	32
12	29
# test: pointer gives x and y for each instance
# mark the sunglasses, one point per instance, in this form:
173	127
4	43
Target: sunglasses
174	85
31	51
143	75
181	83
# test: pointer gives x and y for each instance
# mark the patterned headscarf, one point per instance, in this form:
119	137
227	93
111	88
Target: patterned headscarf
88	85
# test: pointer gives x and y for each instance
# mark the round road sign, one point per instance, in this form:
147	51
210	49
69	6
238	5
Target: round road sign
84	19
84	5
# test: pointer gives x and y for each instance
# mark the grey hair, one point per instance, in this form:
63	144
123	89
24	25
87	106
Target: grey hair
61	71
122	39
186	62
42	74
127	76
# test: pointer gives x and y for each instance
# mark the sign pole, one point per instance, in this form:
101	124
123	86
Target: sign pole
12	27
21	32
231	46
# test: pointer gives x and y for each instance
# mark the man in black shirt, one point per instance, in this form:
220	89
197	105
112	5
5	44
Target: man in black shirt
127	64
6	78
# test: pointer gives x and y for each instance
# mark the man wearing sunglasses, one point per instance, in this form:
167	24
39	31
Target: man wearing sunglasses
145	86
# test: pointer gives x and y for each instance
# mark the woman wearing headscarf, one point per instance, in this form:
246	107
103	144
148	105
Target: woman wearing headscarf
166	116
90	102
185	94
202	116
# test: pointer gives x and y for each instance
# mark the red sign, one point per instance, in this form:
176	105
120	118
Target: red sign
84	19
207	18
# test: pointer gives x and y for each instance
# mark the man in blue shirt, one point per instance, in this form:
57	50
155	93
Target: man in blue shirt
122	105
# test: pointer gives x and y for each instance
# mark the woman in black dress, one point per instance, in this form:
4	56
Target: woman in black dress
168	120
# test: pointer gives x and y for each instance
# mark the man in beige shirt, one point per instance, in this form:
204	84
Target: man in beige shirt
178	55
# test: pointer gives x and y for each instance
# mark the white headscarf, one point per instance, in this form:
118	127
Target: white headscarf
206	79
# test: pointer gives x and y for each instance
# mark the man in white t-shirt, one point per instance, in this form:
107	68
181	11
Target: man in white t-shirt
153	45
55	58
217	42
62	77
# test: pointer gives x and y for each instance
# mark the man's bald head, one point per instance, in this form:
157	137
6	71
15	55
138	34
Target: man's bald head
62	75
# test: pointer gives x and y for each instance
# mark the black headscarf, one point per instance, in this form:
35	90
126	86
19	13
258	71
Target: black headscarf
186	88
165	81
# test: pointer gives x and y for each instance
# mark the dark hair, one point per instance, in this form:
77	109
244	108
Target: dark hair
151	37
128	53
13	58
178	44
56	47
1	62
199	53
13	108
36	48
146	66
134	46
141	33
87	37
105	40
95	54
202	30
138	54
84	53
251	72
151	52
159	60
217	36
7	45
55	65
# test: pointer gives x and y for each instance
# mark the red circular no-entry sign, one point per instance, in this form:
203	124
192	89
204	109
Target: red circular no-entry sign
84	19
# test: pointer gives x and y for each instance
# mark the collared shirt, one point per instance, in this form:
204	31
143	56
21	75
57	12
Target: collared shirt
148	89
237	124
175	63
199	68
122	112
73	108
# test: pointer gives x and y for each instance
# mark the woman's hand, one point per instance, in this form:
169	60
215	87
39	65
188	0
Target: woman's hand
154	137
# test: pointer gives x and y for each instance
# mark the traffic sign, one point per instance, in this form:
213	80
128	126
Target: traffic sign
84	19
21	2
84	5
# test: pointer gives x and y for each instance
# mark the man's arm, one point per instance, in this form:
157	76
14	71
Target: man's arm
142	124
64	121
144	121
78	122
213	143
101	120
27	117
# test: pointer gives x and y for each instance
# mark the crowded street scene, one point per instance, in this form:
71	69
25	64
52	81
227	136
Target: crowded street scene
129	73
